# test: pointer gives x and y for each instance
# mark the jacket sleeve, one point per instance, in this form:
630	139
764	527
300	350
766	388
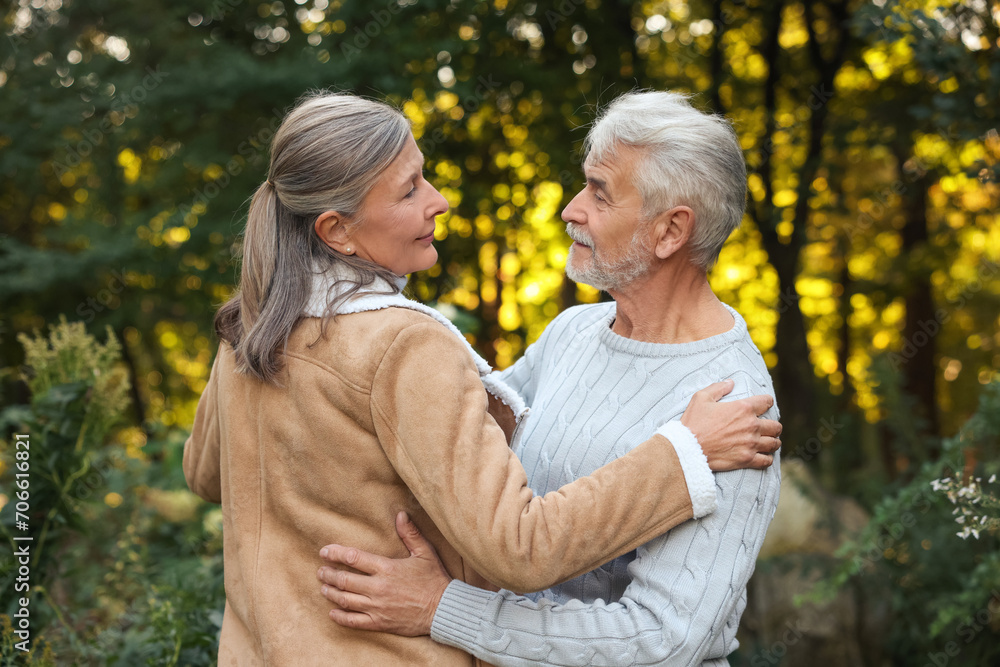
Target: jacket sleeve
521	375
678	609
429	411
201	451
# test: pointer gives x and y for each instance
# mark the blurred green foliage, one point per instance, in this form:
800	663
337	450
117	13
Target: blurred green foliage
915	552
125	568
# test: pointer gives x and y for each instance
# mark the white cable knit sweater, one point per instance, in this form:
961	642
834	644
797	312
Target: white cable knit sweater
675	601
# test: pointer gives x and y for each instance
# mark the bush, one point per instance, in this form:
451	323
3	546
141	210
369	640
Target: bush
941	577
126	563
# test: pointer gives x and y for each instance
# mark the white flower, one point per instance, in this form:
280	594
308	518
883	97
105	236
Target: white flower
960	519
993	478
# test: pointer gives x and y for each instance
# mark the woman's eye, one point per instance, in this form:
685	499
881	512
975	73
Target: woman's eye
409	195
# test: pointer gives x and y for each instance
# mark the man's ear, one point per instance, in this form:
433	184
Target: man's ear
331	228
673	230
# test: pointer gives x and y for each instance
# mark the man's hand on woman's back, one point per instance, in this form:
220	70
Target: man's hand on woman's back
732	434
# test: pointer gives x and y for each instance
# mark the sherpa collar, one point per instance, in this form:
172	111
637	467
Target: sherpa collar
368	298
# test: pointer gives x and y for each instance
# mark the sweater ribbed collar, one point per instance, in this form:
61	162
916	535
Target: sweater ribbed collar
645	349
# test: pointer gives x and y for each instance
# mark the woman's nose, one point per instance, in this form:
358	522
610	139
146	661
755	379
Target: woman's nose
440	204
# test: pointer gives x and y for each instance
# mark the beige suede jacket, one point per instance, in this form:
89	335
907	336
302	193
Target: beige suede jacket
386	413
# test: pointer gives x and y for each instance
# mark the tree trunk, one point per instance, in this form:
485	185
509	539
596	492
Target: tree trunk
715	57
921	326
793	374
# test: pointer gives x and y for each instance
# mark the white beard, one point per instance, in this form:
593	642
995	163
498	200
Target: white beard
609	274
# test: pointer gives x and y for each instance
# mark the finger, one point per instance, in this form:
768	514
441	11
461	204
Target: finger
768	445
719	389
351	619
346	581
355	558
345	600
761	461
770	428
760	404
411	536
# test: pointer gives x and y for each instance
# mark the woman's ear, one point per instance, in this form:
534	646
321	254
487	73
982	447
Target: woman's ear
331	228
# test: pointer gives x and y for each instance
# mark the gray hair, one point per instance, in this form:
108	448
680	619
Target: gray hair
328	153
687	157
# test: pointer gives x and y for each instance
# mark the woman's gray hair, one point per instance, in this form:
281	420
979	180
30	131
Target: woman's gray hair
326	156
686	157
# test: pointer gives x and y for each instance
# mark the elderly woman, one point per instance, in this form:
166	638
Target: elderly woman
334	403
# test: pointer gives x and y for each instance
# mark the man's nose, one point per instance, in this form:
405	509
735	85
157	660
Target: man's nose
574	212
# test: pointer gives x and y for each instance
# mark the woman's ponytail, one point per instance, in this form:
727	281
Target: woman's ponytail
235	321
260	253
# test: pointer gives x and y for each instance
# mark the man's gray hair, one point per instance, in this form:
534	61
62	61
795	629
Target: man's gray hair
687	158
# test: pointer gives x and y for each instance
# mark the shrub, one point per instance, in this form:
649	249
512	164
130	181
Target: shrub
126	569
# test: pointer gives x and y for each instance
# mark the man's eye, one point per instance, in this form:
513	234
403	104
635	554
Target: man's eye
598	197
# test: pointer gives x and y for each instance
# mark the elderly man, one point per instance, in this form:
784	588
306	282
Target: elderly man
666	186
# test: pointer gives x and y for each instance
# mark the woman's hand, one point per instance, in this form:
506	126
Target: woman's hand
731	434
397	595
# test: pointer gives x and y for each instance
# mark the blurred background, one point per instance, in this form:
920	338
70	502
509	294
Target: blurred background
868	269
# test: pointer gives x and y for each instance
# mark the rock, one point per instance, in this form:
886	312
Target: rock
808	527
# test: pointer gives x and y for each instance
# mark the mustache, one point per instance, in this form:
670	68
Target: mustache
579	235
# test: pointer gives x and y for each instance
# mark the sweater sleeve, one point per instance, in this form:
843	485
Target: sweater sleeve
201	451
429	411
677	610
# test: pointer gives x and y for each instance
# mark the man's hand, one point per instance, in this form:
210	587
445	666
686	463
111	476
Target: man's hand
389	595
731	434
